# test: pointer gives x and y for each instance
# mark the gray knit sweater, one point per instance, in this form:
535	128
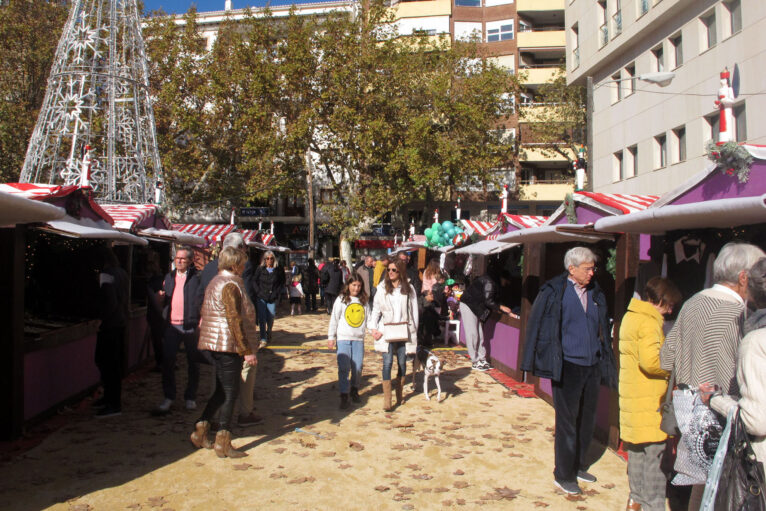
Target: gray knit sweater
704	340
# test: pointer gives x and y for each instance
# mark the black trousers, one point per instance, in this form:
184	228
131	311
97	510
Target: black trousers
575	399
311	301
329	301
228	367
109	358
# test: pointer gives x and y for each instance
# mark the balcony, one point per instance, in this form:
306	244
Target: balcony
542	190
538	73
554	37
530	153
539	5
422	8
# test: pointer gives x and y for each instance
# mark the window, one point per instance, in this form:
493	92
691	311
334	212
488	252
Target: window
616	88
734	9
643	7
603	28
713	124
617	19
679	140
468	3
660	151
465	31
617	167
499	30
708	37
575	35
630	80
740	123
631	169
490	3
659	59
678	52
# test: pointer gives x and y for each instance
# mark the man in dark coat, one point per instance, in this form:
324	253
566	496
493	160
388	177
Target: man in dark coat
110	340
181	312
568	341
332	279
310	284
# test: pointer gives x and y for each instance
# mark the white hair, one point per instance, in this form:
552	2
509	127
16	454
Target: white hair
733	259
578	255
234	240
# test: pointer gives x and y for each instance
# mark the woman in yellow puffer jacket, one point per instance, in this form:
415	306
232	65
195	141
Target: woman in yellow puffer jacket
642	387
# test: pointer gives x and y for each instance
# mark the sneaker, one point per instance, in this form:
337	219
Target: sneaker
480	366
568	487
263	344
585	477
108	411
486	365
191	404
249	419
164	407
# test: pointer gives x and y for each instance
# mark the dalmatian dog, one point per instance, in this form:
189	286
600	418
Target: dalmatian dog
432	366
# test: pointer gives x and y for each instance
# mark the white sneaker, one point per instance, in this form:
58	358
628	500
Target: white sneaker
191	404
165	405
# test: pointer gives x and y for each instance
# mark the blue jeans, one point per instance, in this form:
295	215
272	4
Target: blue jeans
400	348
265	312
350	358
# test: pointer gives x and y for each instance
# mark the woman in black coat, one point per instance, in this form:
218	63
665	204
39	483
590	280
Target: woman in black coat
310	282
268	283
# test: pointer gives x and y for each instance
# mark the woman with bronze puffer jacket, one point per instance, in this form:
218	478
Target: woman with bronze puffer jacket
227	335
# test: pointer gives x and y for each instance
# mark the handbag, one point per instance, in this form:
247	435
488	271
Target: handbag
398	332
669	424
741	484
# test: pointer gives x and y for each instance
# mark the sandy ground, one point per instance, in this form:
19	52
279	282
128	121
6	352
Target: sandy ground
481	447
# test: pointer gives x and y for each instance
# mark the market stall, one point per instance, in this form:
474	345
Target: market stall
50	275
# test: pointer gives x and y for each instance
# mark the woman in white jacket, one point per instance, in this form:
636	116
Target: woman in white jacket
751	376
394	325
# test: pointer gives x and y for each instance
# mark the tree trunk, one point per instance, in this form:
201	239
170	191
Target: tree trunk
345	250
310	201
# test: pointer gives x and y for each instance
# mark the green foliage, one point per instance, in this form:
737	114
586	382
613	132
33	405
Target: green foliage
29	32
730	158
387	119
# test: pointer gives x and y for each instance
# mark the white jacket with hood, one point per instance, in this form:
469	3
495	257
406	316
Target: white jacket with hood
393	309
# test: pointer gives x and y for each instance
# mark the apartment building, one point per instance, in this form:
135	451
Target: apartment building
649	139
524	36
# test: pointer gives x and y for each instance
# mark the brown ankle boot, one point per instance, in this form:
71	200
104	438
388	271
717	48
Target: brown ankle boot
223	447
199	437
400	390
633	505
387	395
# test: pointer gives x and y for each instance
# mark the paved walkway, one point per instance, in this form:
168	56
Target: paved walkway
482	447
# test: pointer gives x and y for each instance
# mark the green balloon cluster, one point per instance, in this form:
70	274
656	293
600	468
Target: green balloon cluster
442	234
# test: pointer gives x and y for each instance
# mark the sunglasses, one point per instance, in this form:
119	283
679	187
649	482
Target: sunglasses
269	258
393	270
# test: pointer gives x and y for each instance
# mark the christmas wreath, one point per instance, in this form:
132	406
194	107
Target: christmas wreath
730	158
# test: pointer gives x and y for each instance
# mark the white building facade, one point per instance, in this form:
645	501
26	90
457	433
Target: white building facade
648	139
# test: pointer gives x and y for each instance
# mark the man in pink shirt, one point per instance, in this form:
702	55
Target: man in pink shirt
181	313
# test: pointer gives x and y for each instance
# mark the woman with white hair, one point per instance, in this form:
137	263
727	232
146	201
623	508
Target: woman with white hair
751	377
702	346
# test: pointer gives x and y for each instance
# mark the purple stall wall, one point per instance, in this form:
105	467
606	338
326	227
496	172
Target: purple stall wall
56	374
718	185
644	244
502	343
585	215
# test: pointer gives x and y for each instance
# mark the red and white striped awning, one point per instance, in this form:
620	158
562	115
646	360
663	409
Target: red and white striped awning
267	238
249	235
128	217
480	228
211	232
621	203
523	221
37	191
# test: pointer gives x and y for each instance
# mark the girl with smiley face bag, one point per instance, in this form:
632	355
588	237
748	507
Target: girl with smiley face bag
348	322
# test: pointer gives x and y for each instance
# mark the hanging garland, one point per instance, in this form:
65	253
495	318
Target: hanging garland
569	204
730	158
